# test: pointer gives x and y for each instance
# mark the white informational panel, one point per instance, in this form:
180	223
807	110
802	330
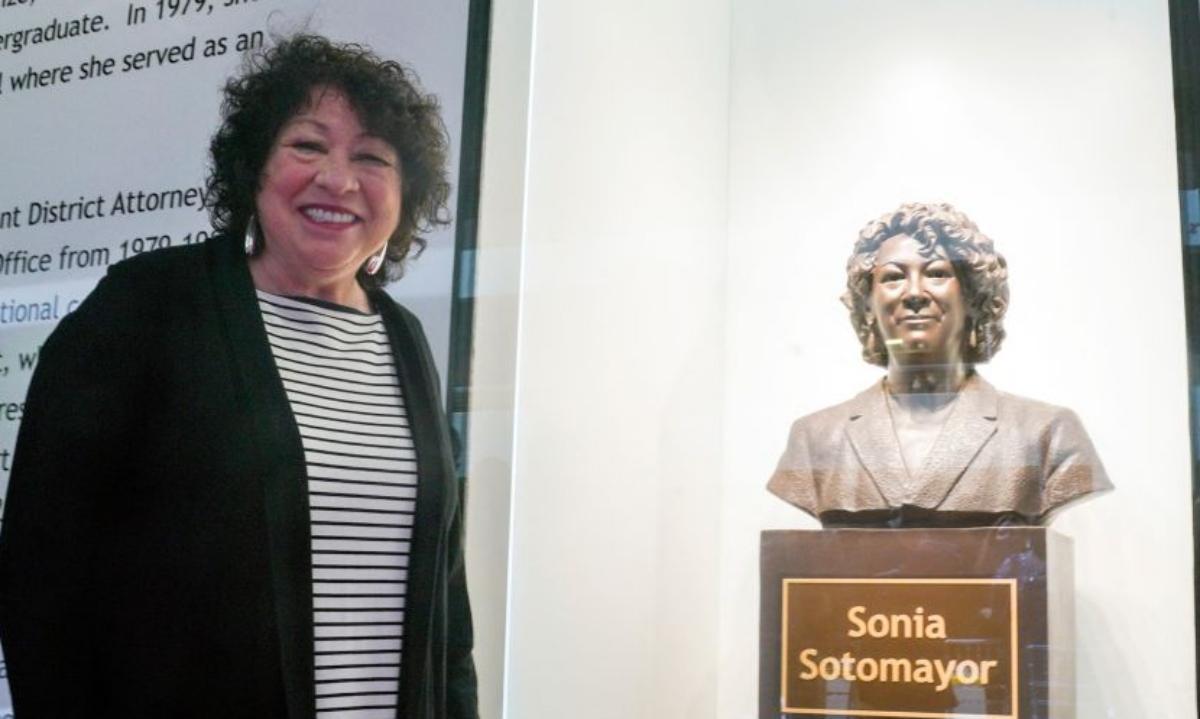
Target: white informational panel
106	109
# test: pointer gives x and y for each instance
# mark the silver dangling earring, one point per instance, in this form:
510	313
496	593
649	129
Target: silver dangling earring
251	242
375	262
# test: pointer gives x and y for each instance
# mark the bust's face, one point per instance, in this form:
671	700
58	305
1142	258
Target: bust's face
918	303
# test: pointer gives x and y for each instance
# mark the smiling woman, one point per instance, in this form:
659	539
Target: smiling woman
304	119
254	512
329	199
933	444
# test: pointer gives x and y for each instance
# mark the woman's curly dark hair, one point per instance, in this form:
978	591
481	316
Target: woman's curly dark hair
982	271
276	84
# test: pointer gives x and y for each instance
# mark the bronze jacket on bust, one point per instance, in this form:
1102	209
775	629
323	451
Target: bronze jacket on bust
998	455
155	554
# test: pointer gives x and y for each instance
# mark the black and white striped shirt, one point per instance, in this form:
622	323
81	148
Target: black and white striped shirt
340	377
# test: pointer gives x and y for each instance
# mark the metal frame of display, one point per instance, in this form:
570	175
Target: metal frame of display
462	307
1185	60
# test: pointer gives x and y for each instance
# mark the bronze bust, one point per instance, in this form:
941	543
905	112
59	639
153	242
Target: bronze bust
932	443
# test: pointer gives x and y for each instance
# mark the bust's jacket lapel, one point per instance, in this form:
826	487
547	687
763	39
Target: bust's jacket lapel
971	424
870	432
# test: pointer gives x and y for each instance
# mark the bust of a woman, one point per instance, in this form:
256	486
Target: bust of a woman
932	443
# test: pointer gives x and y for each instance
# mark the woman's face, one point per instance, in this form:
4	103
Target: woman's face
918	303
329	194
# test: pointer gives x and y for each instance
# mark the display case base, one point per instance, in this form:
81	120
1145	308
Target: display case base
917	624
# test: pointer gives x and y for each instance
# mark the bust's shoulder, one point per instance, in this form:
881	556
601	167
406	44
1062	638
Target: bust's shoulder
1027	411
835	417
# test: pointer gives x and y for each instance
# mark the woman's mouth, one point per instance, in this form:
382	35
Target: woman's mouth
328	216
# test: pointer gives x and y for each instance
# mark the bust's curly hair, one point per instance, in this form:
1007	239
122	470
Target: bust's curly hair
981	270
277	83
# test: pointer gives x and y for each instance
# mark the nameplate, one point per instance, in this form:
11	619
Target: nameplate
912	648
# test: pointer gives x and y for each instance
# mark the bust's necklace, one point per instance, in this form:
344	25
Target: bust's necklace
918	420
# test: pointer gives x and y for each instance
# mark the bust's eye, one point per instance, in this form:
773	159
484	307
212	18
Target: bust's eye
939	271
889	276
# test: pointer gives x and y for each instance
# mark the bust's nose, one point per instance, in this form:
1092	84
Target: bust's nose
915	300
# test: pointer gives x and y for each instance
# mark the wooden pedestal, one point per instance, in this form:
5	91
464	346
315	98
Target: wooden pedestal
917	624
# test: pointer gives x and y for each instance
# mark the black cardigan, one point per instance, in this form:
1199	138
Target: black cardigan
154	558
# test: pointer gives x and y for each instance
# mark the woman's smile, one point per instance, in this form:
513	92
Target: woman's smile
329	216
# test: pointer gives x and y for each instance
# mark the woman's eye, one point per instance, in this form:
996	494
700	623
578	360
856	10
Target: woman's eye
307	146
373	159
889	277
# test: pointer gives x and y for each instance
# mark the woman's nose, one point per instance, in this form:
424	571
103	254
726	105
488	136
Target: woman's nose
337	176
